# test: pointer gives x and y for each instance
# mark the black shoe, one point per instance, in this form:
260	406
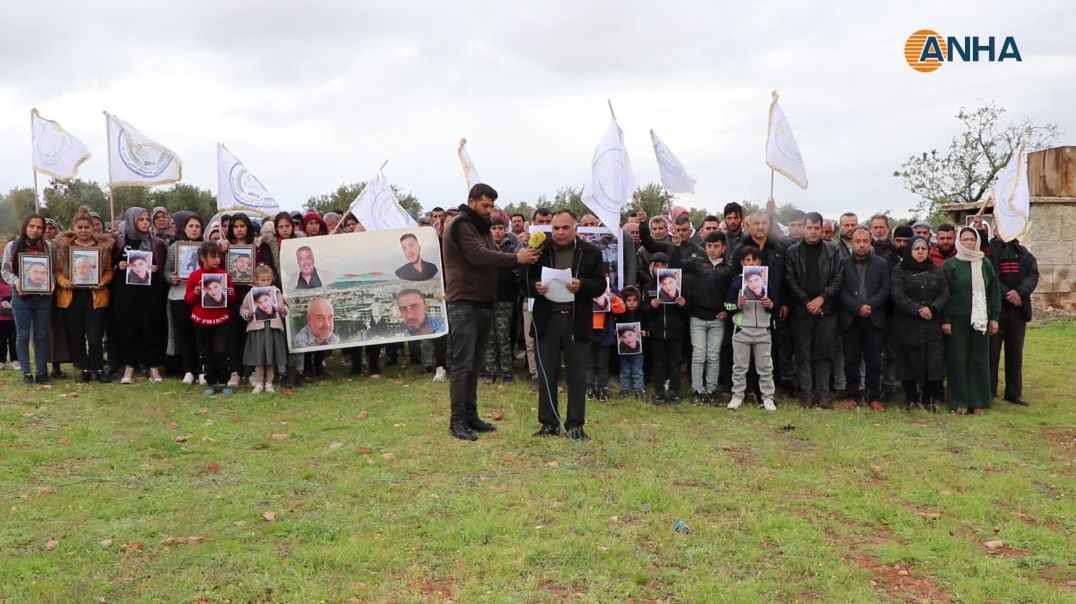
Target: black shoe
461	431
602	394
57	372
623	394
480	426
1018	400
659	399
576	433
102	376
697	398
675	400
547	430
28	379
41	378
85	377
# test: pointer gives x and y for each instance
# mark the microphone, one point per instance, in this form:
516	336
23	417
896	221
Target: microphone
537	240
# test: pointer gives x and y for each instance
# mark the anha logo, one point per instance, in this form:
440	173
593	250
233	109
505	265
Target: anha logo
926	50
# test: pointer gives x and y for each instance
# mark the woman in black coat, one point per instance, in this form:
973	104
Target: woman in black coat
919	291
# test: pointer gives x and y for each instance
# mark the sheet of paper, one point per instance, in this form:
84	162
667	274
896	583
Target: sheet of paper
557	281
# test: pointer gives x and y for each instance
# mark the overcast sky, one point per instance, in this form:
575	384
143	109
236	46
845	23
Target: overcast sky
313	94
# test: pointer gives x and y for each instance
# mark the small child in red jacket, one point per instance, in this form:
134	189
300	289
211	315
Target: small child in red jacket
209	313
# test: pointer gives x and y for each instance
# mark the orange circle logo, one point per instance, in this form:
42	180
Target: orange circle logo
913	50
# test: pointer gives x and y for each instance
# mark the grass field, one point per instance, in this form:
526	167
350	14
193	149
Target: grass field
353	491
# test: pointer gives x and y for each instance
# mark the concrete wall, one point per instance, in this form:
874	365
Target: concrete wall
1053	241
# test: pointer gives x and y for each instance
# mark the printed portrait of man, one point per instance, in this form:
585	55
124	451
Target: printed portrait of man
35	275
319	325
308	273
412	306
138	269
416	268
85	268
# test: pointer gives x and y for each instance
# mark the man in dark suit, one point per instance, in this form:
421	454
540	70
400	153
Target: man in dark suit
416	268
1018	276
564	329
862	318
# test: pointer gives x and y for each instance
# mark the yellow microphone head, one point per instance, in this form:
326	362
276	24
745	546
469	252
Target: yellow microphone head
537	240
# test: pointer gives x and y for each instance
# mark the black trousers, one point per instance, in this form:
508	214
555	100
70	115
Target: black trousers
237	334
466	356
557	343
668	364
183	336
213	352
813	337
85	331
724	375
1012	327
143	325
7	342
863	342
373	356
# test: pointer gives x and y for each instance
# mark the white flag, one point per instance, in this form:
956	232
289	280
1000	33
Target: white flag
377	208
469	171
674	177
782	152
238	188
56	152
611	181
1012	197
136	160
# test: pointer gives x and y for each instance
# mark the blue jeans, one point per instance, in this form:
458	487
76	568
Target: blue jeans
706	338
32	316
631	373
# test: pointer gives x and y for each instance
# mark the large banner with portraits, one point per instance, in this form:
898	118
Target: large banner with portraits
358	289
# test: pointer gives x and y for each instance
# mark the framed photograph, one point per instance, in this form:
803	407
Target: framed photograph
629	338
240	263
35	272
214	290
264	303
139	267
669	282
756	282
186	258
85	263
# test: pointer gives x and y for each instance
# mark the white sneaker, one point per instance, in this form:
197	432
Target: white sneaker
155	375
735	403
188	378
767	404
258	388
269	388
17	366
234	380
439	375
201	379
128	375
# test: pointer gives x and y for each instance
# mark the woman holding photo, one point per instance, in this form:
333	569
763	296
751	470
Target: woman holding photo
32	311
240	233
189	230
84	307
139	309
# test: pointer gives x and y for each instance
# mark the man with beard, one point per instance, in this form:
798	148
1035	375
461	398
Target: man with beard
946	247
518	224
883	247
471	261
733	213
848	223
862	318
416	268
412	306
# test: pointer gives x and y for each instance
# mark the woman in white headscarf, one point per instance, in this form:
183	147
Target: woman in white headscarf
969	319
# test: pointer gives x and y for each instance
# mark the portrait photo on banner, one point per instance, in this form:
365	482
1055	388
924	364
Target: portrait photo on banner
755	282
607	242
669	282
356	289
629	338
214	290
139	267
186	258
240	263
35	272
85	263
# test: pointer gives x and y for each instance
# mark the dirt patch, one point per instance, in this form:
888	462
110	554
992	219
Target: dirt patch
439	591
899	580
1062	438
1062	576
563	592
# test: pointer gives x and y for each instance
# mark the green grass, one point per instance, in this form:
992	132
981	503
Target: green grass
782	507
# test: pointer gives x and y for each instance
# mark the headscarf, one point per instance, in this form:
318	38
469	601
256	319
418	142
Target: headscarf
978	286
130	228
910	264
165	233
312	215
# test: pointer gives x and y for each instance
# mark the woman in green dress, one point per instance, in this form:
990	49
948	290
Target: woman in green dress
969	319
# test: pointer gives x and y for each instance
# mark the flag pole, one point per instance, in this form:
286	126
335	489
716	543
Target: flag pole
37	194
611	112
111	197
37	204
772	172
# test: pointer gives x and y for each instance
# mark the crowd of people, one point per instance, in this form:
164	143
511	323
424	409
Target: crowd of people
833	312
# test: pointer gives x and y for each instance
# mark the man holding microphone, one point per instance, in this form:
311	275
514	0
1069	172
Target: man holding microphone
471	261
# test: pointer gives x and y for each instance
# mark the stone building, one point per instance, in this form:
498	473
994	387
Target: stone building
1052	237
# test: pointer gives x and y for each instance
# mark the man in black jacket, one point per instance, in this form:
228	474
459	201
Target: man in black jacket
862	318
814	276
1018	276
564	328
